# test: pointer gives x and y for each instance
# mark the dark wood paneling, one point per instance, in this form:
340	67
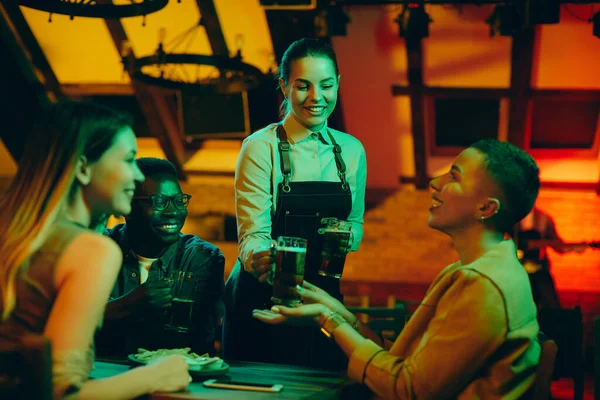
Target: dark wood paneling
22	94
520	84
211	23
567	95
157	114
97	89
444	92
35	53
414	55
411	179
486	93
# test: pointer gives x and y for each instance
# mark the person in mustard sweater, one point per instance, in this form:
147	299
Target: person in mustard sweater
475	333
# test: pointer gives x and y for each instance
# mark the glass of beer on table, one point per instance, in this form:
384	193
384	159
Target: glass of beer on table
289	270
335	239
183	290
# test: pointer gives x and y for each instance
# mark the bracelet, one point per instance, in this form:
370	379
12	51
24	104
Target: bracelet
330	323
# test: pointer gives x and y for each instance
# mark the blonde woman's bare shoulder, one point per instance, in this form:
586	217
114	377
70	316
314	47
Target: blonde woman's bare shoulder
90	253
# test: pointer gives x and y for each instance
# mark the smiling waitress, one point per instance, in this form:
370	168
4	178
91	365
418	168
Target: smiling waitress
288	177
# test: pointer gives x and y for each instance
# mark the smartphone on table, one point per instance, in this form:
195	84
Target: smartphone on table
238	385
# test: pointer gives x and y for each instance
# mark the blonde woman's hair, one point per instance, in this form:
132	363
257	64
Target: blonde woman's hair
45	182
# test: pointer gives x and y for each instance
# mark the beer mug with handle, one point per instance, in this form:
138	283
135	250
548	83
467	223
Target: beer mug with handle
336	236
289	270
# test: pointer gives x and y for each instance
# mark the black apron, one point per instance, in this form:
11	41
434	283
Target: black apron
300	208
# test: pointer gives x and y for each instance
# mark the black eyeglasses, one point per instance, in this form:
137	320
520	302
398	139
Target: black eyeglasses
160	202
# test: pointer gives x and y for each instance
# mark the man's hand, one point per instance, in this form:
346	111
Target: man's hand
152	295
156	294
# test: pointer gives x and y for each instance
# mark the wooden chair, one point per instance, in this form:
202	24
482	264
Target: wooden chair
597	358
565	327
386	321
26	370
544	371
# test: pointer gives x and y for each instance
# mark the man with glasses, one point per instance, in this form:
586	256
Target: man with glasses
153	249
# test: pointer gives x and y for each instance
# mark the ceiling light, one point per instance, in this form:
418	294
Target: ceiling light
416	24
504	21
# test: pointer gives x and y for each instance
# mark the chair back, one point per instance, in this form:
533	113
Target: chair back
596	357
26	370
565	327
385	321
544	371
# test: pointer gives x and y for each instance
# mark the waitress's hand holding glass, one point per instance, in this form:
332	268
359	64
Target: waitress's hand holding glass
262	262
289	270
182	305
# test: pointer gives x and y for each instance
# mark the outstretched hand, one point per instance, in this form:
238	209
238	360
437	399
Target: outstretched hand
316	302
302	315
312	294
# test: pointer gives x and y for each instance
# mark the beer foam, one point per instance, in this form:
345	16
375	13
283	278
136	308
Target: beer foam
292	249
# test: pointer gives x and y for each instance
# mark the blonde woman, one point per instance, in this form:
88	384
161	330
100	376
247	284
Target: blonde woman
56	274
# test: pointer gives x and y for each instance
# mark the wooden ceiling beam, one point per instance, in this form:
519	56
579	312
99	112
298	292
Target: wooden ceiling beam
213	28
414	55
32	49
23	91
98	89
445	92
156	113
521	65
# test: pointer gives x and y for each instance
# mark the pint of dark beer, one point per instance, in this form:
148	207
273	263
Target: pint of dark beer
335	240
181	314
289	270
183	289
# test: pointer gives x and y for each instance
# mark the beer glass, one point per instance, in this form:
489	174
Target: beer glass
335	240
289	270
182	305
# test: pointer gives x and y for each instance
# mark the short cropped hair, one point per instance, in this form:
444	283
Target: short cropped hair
152	166
517	176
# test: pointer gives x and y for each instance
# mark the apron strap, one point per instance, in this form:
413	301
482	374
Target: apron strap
284	152
339	161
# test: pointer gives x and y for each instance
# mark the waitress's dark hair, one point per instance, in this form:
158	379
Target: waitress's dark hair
301	48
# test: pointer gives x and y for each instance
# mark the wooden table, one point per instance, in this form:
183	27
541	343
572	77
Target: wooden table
298	383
